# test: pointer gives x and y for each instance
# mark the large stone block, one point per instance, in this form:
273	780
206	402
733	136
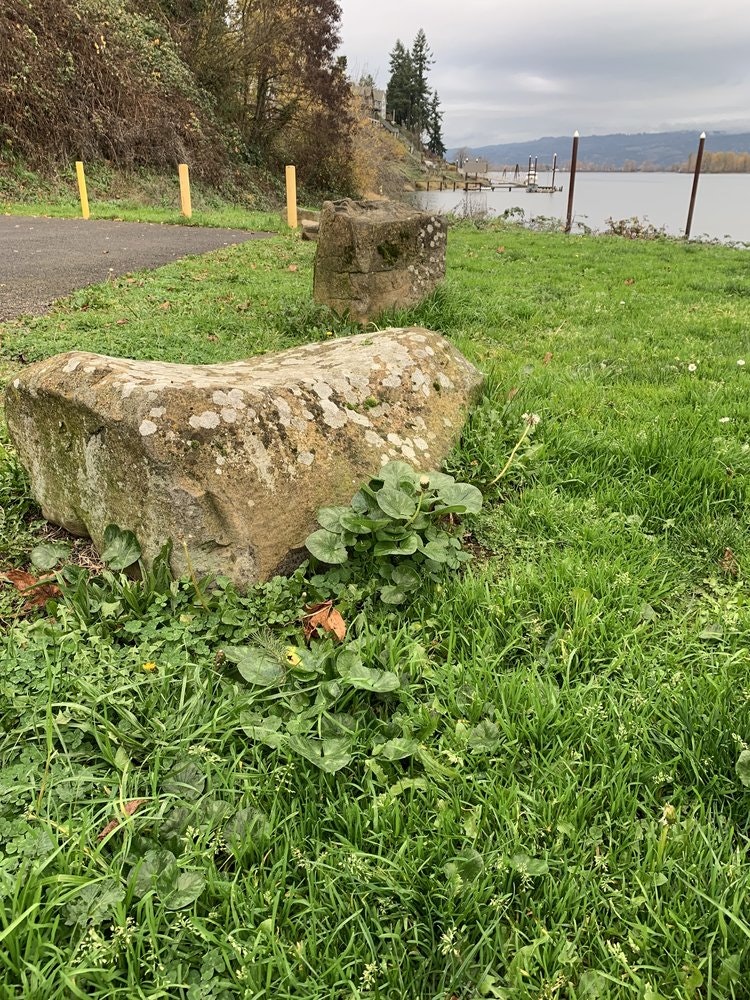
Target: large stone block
375	255
232	461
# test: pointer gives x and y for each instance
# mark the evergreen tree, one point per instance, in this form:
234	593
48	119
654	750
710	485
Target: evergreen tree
408	95
421	60
398	94
435	142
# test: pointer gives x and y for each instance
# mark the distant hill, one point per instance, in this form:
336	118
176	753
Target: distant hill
643	150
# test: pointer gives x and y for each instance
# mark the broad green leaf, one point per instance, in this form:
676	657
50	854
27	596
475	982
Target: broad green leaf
363	502
248	828
484	736
327	547
121	548
361	525
152	864
406	577
94	903
329	755
257	665
406	547
398	749
743	768
264	729
395	503
395	473
593	985
437	551
731	969
459	498
392	595
530	866
369	679
177	892
468	865
330	517
185	780
48	554
340	724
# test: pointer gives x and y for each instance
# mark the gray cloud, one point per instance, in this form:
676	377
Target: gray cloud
503	74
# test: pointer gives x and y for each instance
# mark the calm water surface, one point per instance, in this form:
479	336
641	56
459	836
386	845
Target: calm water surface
722	208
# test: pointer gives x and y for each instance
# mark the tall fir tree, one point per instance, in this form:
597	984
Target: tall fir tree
435	142
421	60
398	94
408	95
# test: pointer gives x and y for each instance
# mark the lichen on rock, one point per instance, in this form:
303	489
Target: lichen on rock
232	461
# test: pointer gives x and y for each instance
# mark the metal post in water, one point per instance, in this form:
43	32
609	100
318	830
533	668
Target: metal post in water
694	192
554	168
572	182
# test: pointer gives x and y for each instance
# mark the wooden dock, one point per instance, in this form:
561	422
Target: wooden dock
484	184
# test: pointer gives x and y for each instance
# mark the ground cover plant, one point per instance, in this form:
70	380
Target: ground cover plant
548	799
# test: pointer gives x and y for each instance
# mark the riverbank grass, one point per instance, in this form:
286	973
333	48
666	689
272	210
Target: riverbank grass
548	805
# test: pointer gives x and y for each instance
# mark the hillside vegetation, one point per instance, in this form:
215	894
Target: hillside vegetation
147	83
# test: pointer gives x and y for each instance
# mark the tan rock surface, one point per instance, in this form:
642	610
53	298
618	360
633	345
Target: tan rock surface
377	255
232	461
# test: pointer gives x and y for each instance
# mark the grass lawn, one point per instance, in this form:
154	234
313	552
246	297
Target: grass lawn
567	821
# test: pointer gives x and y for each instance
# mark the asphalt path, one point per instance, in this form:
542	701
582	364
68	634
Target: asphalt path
42	259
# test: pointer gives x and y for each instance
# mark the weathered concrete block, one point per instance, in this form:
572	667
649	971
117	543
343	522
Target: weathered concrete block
232	461
377	255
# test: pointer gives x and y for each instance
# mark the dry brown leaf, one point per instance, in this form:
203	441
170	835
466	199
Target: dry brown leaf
166	305
323	616
630	281
121	322
36	590
728	563
500	250
129	808
292	267
547	358
513	393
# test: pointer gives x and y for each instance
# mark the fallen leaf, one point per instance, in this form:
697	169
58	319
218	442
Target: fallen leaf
36	590
500	250
547	358
166	305
129	808
292	267
513	393
323	616
630	281
121	322
728	563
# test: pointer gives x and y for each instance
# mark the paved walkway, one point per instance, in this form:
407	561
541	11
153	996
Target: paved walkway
42	259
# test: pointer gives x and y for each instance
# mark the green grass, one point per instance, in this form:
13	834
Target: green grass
573	825
136	196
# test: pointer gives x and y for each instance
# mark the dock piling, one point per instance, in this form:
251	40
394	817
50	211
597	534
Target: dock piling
572	183
694	191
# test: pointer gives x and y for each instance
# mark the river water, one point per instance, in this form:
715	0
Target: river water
722	207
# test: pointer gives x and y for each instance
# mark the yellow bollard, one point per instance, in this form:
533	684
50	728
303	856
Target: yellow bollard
82	189
291	197
185	204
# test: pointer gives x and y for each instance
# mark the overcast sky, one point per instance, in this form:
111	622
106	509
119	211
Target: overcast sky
509	71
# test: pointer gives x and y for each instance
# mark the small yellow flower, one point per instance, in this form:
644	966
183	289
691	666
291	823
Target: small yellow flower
149	667
291	656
